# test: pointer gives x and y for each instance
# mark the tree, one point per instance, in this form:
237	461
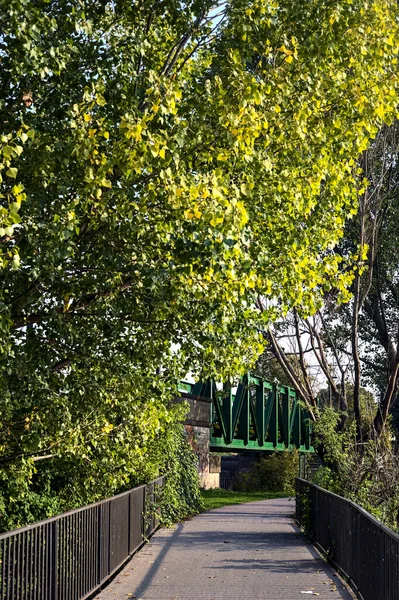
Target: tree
356	344
164	165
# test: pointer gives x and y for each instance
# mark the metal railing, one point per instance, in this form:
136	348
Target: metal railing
362	548
70	556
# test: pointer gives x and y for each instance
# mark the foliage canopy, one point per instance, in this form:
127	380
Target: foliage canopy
162	164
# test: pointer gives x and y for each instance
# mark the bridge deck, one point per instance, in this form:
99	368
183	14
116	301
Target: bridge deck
244	552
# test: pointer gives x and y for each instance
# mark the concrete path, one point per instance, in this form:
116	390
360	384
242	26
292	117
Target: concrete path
243	552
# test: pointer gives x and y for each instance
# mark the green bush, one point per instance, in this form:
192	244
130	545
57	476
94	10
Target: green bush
180	497
273	473
366	473
31	491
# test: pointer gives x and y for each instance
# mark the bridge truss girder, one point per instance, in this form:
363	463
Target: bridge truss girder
259	416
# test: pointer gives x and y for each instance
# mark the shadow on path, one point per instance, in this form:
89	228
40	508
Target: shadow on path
250	552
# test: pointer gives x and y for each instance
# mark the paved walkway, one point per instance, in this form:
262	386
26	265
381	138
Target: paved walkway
243	552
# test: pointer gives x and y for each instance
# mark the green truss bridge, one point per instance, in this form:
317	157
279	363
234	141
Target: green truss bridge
255	415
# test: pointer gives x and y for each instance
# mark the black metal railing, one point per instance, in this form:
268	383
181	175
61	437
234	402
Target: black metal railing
362	548
69	556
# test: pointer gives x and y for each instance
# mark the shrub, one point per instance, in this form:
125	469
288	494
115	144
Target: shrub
273	473
180	496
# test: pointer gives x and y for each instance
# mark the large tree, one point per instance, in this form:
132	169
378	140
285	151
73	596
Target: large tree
354	345
163	165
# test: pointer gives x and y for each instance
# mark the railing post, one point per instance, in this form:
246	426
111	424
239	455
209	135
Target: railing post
99	545
54	561
109	537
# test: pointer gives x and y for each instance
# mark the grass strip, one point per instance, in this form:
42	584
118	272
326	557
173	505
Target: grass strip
218	497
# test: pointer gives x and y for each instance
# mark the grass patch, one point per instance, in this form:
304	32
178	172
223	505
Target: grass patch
219	497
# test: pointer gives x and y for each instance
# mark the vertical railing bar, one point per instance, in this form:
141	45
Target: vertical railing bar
92	550
88	551
37	554
24	578
59	559
26	567
94	546
89	583
54	559
44	570
82	558
63	561
35	569
68	559
6	560
51	560
77	554
64	558
18	565
72	576
99	544
109	537
79	557
47	554
84	552
42	557
13	568
2	555
31	558
68	547
74	557
8	571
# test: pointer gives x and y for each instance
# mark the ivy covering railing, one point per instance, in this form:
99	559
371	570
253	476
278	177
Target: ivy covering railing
70	556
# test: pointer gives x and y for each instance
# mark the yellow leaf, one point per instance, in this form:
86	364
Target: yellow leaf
87	117
285	50
216	221
380	111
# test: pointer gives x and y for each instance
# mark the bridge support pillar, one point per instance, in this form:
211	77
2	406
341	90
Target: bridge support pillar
208	464
198	427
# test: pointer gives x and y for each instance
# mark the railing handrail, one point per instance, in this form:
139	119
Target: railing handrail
73	511
359	508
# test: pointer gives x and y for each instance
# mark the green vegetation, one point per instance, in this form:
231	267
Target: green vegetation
219	497
181	497
160	172
354	348
368	477
275	473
